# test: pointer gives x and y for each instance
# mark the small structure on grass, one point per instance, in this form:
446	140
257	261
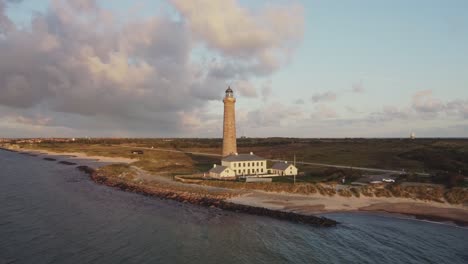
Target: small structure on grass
222	172
284	169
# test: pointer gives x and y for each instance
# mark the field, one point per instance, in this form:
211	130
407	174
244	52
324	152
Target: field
445	159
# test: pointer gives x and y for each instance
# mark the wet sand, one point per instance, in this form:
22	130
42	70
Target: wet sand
422	211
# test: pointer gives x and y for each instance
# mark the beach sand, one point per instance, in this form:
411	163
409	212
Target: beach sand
76	156
316	204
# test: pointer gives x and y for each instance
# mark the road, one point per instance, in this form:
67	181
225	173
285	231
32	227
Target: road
297	162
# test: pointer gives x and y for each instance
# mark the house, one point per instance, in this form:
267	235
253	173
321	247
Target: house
140	152
221	172
245	164
284	169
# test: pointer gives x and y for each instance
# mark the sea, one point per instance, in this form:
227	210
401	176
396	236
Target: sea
53	213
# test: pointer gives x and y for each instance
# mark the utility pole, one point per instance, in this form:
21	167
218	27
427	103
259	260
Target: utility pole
294	166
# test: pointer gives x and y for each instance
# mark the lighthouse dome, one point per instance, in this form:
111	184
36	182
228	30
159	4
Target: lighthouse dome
229	92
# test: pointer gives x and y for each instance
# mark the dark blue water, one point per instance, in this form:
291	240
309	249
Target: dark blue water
52	213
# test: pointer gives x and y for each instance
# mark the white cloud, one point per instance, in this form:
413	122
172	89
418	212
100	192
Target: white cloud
82	61
323	111
263	39
245	88
423	101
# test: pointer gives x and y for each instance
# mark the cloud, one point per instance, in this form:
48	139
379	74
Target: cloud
273	115
424	106
324	97
323	111
24	118
457	107
263	40
424	102
81	62
388	113
245	88
267	90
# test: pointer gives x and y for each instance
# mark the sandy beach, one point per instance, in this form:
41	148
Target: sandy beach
315	204
77	156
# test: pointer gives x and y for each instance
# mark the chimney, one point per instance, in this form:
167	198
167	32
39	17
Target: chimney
237	153
285	161
214	165
251	153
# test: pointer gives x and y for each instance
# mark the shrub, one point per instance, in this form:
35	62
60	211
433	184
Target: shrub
457	195
344	192
355	192
381	192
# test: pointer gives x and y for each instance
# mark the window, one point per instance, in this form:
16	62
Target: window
234	165
248	164
257	163
262	170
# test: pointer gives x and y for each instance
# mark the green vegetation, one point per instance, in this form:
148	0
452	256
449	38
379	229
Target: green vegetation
154	161
445	159
123	171
414	191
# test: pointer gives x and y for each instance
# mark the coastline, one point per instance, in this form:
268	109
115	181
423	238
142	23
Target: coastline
286	206
319	204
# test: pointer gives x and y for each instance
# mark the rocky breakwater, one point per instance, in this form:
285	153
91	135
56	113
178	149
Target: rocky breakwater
202	198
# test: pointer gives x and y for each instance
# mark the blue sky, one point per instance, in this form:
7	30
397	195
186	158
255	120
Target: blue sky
389	68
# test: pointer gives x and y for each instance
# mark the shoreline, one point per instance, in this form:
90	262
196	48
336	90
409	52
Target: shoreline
319	204
206	201
285	206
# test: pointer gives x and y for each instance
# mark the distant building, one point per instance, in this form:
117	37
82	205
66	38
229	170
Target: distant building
284	169
245	164
140	152
412	135
221	172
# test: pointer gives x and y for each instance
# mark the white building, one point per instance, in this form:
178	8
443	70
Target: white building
284	169
221	172
245	164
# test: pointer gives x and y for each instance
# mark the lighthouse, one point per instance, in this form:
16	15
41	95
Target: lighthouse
235	165
229	124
